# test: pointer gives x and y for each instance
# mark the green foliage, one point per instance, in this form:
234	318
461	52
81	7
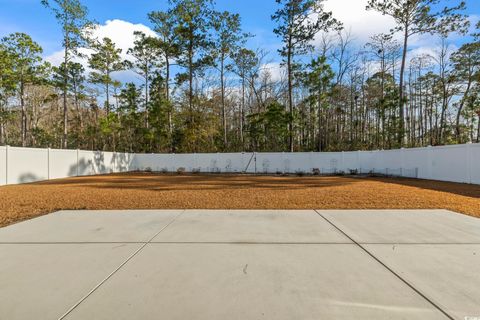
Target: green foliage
72	17
105	61
299	21
24	56
318	80
419	16
7	74
192	22
75	73
269	129
145	52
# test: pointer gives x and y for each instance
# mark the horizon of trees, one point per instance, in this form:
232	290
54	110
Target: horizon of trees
203	90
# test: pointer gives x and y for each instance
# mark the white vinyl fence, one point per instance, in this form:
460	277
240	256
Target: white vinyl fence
23	165
456	163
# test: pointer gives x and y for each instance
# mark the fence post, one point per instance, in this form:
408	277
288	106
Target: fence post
7	147
430	164
78	163
402	161
194	163
359	165
48	163
468	150
115	162
343	162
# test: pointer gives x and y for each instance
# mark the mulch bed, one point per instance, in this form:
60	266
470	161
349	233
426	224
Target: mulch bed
158	191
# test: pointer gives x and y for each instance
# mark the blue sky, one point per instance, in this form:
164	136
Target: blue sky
31	17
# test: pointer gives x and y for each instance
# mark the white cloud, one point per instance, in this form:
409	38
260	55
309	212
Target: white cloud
362	23
275	70
121	33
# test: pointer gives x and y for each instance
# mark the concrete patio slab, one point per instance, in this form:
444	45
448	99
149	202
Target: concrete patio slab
447	274
44	281
221	264
235	281
406	226
251	226
90	226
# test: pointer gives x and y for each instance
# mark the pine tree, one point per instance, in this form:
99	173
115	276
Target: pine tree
26	62
72	17
414	17
104	61
299	21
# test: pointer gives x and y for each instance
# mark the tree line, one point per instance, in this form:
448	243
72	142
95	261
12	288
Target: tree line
202	89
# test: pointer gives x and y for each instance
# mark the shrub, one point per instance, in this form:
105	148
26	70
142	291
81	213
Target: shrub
181	170
353	172
196	170
299	173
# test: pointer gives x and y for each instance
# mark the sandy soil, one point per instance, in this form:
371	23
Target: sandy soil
152	191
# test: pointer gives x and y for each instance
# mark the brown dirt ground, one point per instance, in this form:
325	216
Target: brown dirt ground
155	191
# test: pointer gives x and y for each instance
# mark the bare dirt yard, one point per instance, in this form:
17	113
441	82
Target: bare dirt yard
157	191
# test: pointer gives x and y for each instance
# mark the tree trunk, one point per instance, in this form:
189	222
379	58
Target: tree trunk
24	114
167	97
460	109
401	132
65	92
290	93
478	129
190	80
107	92
2	133
224	114
147	113
2	127
242	110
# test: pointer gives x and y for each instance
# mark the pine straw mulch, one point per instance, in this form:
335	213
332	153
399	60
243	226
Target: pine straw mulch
159	191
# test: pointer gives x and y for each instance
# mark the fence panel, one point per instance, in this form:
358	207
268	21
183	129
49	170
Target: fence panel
418	159
474	163
123	162
87	163
449	163
106	164
63	163
327	162
367	161
3	166
272	163
27	165
351	161
154	162
233	162
392	162
206	162
298	162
